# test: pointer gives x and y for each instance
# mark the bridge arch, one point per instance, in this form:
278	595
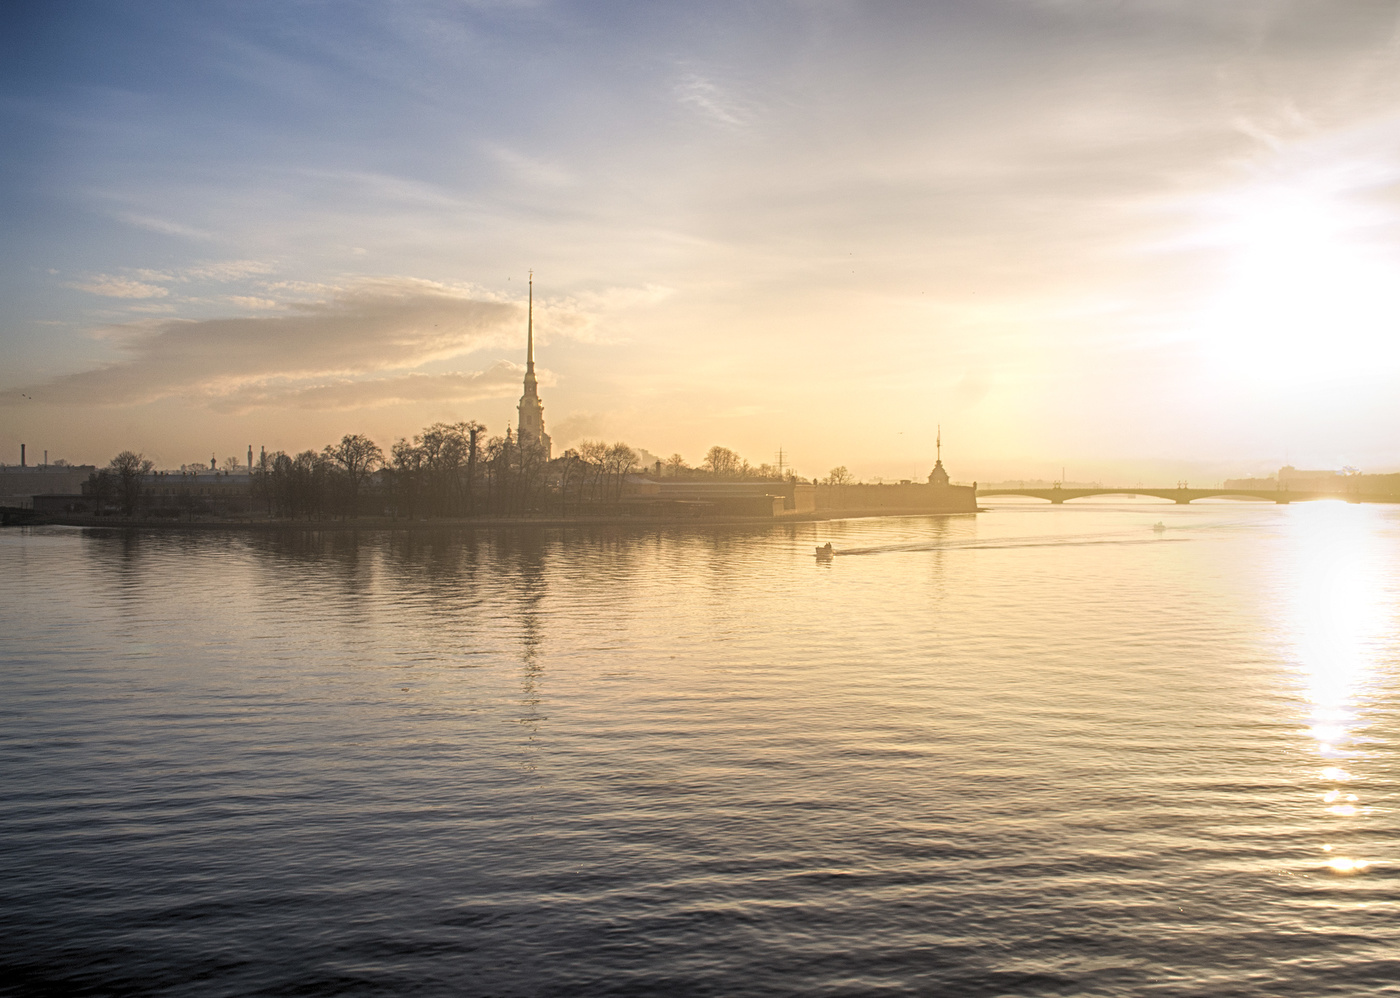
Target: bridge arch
1124	494
1181	496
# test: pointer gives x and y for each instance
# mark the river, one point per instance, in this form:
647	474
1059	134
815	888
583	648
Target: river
1035	751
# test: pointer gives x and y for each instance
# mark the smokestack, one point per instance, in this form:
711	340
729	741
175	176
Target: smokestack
250	459
21	455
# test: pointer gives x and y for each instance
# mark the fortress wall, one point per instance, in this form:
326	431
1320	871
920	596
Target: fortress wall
933	498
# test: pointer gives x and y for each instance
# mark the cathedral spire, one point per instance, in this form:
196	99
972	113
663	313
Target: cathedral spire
939	444
531	435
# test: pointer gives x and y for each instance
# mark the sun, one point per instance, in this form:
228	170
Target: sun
1306	294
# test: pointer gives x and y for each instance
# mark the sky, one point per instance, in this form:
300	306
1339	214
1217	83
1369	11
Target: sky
1137	241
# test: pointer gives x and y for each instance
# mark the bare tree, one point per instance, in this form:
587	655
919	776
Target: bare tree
129	468
358	456
594	454
444	452
310	472
675	464
406	470
100	486
261	486
619	459
571	470
723	462
231	465
839	476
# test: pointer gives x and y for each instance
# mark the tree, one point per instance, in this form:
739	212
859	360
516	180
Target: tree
405	471
128	468
231	465
100	486
281	486
261	485
675	464
444	452
309	474
840	476
594	455
358	456
571	471
619	459
722	462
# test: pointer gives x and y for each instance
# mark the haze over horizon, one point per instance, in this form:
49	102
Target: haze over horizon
1140	242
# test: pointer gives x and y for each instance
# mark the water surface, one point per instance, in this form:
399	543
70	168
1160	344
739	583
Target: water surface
1037	751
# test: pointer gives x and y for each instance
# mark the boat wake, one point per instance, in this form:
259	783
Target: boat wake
1003	544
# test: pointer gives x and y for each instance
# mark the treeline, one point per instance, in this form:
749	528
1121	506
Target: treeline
447	470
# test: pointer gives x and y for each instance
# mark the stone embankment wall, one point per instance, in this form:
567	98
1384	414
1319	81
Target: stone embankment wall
914	497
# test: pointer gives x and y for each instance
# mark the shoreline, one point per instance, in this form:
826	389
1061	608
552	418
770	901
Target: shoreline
492	523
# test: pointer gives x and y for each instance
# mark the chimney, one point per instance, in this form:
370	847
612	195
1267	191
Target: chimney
21	455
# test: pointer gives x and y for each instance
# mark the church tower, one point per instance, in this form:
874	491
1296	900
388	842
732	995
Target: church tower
531	428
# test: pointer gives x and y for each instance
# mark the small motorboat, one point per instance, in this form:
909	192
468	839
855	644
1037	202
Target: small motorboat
1158	527
824	552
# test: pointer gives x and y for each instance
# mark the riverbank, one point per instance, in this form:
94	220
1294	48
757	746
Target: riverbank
496	522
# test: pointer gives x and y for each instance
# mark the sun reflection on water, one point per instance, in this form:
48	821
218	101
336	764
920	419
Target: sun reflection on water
1338	622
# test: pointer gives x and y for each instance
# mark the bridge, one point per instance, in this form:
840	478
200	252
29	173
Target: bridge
1184	496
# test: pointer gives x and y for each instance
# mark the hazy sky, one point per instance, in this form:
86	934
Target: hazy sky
1135	239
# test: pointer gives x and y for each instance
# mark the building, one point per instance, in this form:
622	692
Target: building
530	432
1299	480
20	483
938	476
1291	479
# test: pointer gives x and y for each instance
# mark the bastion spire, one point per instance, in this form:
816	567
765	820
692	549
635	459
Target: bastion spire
938	476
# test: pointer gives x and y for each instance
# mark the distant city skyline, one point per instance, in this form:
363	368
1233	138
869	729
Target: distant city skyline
1144	242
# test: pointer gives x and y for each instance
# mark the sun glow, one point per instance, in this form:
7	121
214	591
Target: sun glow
1339	622
1344	865
1306	294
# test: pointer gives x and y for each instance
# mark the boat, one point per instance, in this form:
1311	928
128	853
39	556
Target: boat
1158	527
824	552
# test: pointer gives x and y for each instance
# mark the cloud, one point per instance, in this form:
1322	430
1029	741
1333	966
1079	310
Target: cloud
225	270
533	171
711	100
164	227
373	327
576	426
502	378
119	287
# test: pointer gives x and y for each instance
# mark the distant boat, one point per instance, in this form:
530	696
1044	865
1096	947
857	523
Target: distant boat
1158	527
824	552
